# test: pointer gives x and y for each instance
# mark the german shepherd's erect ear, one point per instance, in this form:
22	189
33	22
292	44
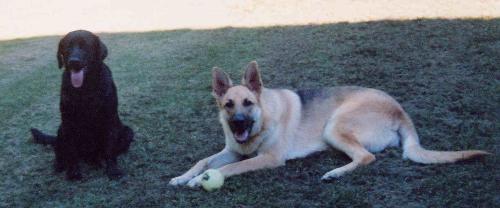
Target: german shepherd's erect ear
220	82
252	79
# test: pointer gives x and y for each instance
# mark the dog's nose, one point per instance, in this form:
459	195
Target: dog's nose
238	118
75	63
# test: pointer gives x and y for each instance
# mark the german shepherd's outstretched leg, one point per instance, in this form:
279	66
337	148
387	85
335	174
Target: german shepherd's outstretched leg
215	161
261	161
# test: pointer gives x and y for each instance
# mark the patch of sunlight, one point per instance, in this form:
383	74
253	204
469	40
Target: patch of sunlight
27	18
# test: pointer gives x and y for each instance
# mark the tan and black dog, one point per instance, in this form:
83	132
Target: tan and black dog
276	125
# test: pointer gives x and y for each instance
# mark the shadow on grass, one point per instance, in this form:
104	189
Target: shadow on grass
444	72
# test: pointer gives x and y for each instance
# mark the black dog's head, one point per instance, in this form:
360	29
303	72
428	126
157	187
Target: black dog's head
78	51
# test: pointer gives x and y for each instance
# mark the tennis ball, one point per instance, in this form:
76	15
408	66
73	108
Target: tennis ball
212	179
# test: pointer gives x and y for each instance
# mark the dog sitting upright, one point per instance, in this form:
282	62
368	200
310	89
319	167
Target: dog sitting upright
276	125
91	129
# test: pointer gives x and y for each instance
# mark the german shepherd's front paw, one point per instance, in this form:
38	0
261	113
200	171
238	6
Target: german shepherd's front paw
196	181
179	181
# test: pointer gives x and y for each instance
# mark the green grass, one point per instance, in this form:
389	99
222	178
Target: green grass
444	72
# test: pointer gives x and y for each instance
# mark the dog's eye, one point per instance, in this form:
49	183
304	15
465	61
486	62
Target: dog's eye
229	104
247	103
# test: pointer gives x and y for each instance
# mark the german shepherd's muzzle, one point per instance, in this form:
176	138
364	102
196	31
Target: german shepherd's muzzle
241	126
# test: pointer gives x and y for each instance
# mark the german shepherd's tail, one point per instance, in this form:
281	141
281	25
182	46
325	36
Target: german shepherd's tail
41	138
413	151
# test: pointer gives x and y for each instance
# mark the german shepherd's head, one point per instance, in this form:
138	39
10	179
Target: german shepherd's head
239	105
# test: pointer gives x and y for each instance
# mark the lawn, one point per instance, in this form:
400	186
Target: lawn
444	72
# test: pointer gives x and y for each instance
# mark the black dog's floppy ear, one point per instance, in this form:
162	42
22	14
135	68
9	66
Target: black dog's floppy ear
59	55
252	79
220	82
101	49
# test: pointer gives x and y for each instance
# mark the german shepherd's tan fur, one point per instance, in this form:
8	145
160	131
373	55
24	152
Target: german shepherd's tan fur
275	125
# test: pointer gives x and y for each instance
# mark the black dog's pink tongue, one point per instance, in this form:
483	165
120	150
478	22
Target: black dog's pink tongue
77	78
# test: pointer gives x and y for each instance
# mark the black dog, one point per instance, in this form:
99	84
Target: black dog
90	130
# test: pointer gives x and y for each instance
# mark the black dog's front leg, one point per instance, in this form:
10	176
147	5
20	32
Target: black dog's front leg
59	163
73	172
112	169
72	161
67	155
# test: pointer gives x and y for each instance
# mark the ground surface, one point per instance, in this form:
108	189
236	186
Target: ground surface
444	72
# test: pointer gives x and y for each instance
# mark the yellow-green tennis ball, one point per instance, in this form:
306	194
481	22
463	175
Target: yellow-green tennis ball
212	179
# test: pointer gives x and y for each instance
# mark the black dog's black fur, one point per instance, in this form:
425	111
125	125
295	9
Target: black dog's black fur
91	129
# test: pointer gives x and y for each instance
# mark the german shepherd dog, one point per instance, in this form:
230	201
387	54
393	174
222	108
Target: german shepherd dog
276	125
91	129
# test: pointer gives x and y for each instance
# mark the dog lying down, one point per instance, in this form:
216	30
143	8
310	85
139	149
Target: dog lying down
90	130
278	124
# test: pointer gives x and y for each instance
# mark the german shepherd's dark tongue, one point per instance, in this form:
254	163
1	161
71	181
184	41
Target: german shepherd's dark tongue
77	77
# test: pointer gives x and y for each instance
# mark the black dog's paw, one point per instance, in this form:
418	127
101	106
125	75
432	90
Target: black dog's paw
127	134
95	165
73	175
114	173
58	167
